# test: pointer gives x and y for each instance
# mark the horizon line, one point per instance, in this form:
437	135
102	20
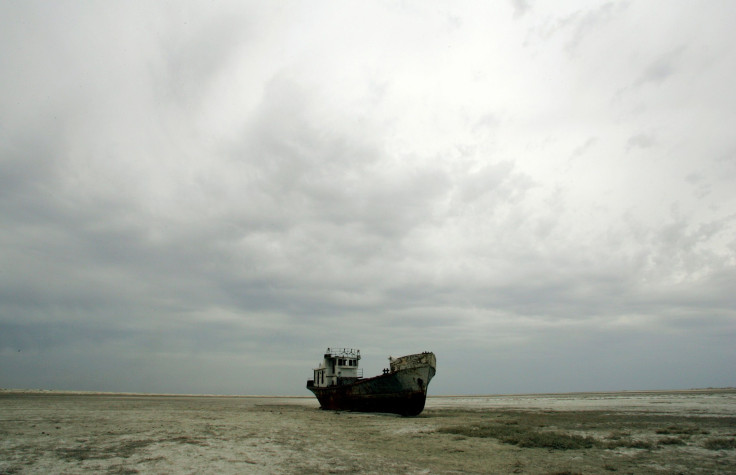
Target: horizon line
126	393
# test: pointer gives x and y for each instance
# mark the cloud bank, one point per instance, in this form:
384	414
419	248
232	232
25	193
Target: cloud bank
200	198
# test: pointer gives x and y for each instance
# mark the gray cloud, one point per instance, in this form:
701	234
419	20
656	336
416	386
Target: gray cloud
578	24
640	141
520	7
662	68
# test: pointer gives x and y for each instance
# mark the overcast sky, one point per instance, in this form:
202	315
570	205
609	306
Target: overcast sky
200	197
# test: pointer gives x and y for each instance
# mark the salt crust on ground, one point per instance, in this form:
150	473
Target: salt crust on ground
63	432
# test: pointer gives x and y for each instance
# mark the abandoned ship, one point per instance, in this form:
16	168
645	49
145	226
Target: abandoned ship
402	388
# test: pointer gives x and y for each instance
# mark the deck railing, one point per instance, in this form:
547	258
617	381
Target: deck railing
343	352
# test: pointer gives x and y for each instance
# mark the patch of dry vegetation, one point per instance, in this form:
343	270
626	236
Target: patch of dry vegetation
523	436
720	443
582	430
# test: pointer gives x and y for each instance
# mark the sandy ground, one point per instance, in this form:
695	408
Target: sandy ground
646	432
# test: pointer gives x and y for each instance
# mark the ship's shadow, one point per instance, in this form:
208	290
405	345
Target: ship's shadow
373	414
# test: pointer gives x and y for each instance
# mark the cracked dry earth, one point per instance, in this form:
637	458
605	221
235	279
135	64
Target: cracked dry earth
48	432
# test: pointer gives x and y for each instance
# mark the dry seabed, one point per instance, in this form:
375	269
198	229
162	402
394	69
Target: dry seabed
676	432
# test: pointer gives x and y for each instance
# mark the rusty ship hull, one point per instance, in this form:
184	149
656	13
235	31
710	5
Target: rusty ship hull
403	390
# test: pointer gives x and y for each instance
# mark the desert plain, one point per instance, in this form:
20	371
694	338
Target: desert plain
659	432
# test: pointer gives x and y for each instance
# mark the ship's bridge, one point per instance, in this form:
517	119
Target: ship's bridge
339	366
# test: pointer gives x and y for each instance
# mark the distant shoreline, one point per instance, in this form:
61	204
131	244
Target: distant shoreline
63	392
593	393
